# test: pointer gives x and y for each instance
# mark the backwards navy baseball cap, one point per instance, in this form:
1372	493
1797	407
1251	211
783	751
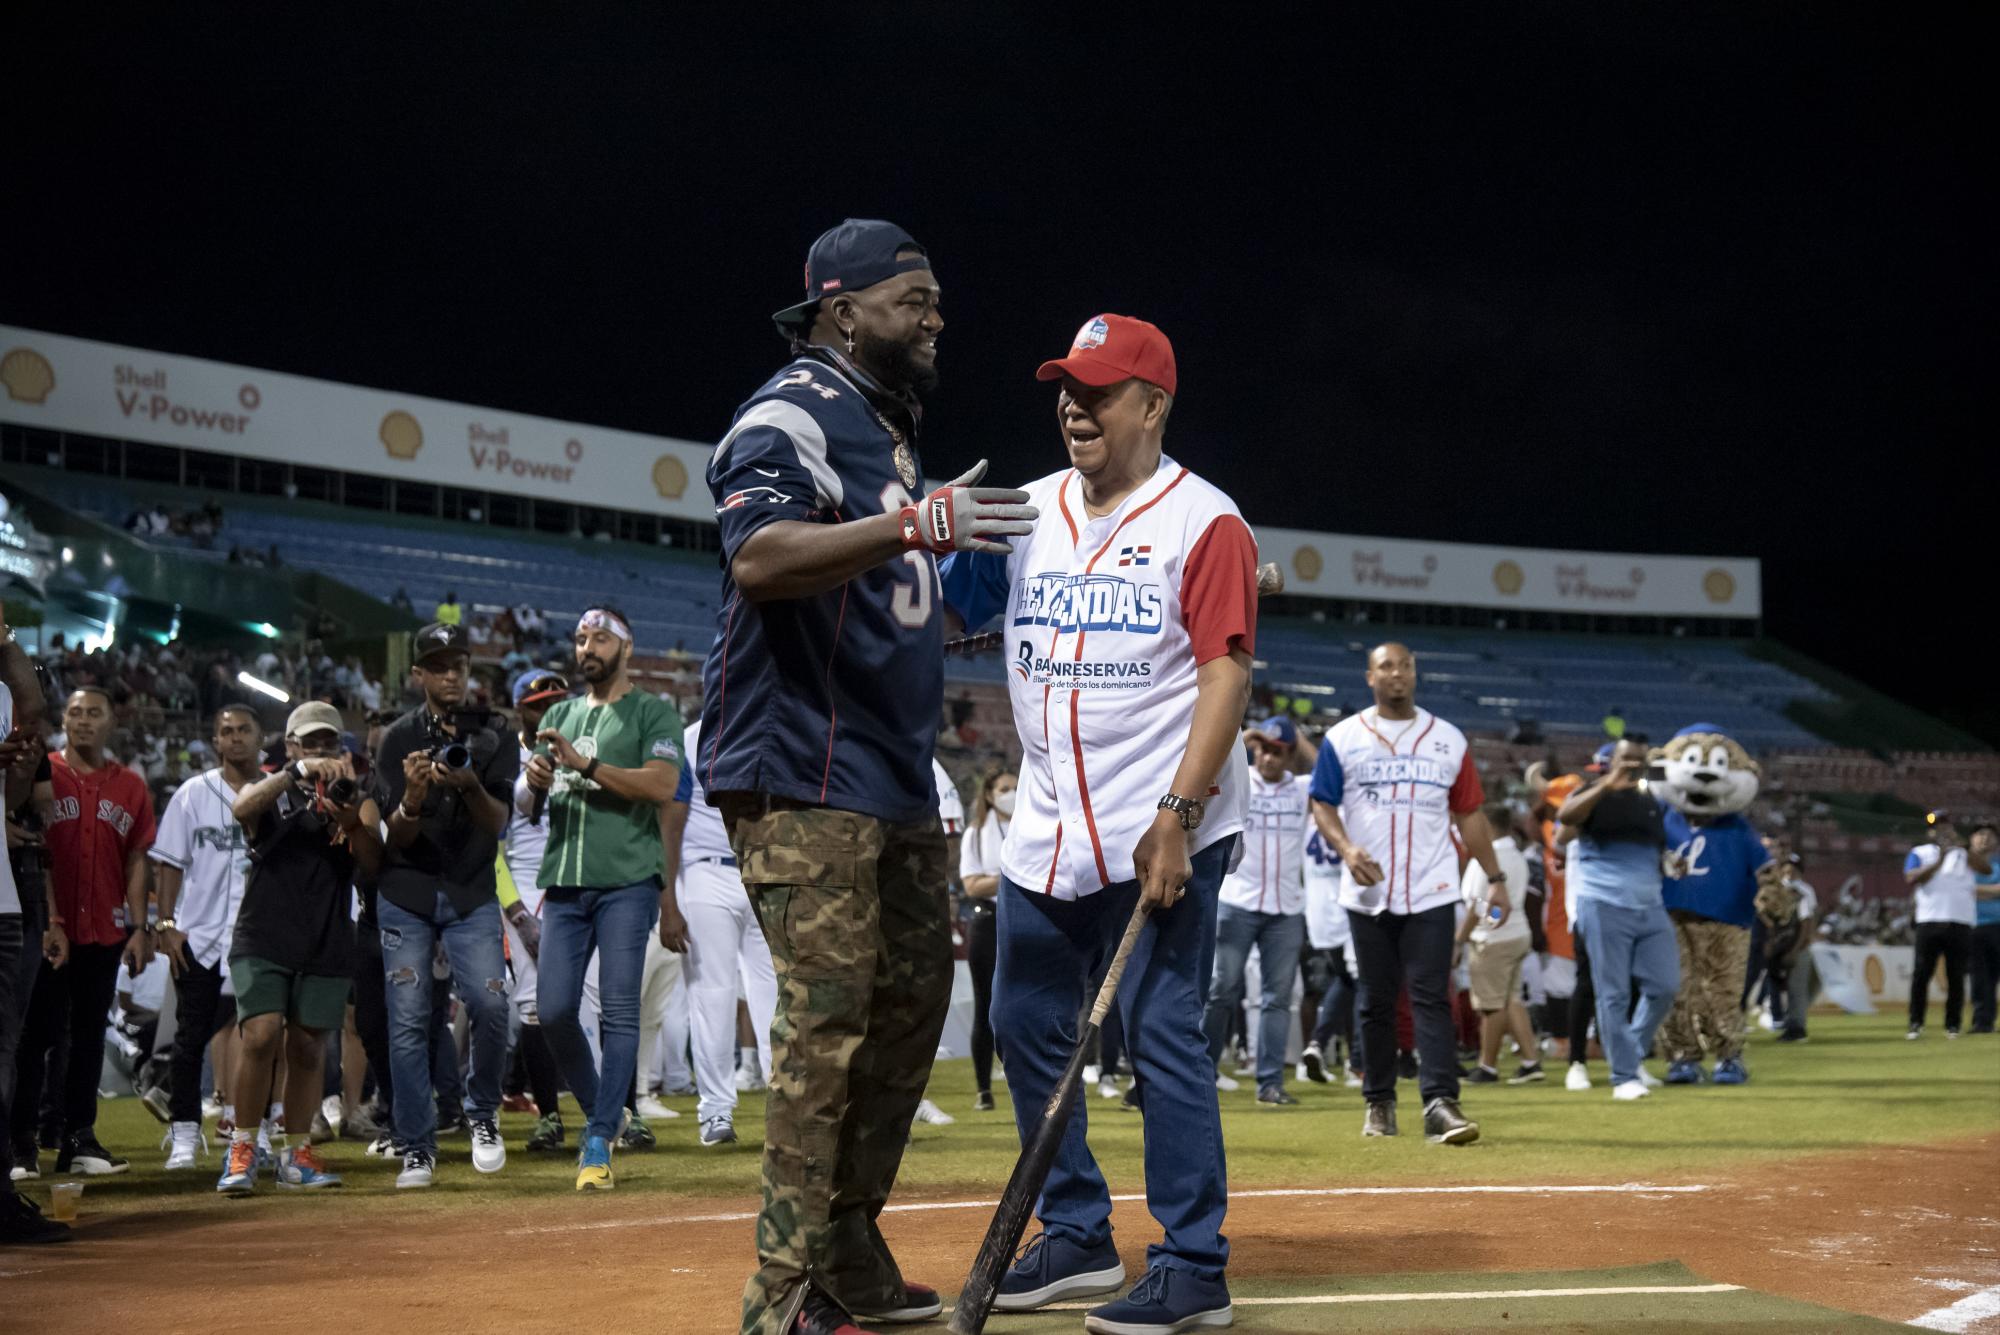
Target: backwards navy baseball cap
859	253
537	685
1280	730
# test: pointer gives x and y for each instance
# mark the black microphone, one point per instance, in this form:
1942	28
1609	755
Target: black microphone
541	805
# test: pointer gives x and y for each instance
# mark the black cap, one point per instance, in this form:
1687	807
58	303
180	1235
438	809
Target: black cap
439	638
859	253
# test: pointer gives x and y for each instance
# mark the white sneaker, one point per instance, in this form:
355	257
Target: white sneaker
653	1110
1353	1081
489	1151
1107	1088
1648	1079
21	1172
211	1108
1631	1089
1226	1084
718	1131
933	1115
1092	1073
382	1147
1765	1022
335	1115
418	1170
186	1144
1578	1077
748	1081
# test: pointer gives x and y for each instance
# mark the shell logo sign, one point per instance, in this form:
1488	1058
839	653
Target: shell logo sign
670	477
401	436
27	375
1307	563
1508	578
1719	585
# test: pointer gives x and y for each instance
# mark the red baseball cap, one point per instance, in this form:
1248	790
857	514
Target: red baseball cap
1111	348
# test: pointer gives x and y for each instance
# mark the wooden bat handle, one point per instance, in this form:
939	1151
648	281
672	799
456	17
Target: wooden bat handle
1108	992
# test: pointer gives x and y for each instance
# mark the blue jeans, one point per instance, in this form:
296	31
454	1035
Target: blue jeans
1047	949
615	923
1278	937
479	977
1629	946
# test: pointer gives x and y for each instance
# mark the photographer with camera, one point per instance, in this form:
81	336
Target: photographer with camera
310	829
445	775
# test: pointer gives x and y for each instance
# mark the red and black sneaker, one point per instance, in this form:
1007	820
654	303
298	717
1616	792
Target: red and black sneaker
920	1303
820	1315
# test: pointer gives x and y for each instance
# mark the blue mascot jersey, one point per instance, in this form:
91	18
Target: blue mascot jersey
1722	860
831	700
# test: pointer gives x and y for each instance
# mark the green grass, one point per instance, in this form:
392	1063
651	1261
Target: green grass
1856	1084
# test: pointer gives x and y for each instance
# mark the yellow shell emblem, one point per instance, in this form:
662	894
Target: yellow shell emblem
1507	578
27	375
670	477
1719	585
401	436
1307	563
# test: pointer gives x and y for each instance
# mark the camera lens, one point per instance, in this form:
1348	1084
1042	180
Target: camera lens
456	756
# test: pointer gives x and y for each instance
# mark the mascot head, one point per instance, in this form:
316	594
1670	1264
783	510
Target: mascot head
1702	772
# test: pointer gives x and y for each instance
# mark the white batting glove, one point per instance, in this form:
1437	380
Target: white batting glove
962	517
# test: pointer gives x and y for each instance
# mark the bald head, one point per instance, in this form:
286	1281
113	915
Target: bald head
1392	676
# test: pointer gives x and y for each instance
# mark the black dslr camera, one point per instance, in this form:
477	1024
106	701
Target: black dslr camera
457	751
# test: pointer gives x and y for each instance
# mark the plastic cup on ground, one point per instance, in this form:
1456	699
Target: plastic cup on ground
64	1199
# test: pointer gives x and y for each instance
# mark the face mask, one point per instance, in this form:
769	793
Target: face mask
1004	802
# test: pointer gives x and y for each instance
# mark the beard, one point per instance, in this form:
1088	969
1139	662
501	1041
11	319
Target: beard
896	365
595	669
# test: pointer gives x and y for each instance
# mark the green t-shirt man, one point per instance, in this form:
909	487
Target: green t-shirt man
598	840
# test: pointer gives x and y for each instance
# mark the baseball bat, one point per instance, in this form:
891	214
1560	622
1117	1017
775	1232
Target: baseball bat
1017	1203
973	644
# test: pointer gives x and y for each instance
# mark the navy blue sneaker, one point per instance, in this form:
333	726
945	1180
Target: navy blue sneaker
1164	1302
1684	1073
1052	1267
1731	1072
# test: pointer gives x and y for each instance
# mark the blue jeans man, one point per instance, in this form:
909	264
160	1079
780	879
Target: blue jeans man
479	977
1278	938
616	923
1629	946
1047	949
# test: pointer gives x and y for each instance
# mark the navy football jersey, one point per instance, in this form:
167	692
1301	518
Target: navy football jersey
832	699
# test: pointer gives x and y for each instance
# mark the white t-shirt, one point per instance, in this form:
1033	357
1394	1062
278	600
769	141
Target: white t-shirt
1808	899
1474	888
1947	896
1326	920
10	894
523	844
1270	877
199	834
706	837
979	851
951	811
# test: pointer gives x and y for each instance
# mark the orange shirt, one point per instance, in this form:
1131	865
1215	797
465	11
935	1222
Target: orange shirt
1556	919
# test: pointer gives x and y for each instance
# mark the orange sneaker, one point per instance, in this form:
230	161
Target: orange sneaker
301	1168
239	1169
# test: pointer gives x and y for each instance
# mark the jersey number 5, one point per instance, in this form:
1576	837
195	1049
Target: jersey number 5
912	603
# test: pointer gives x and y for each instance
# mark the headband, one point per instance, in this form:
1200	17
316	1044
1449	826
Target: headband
599	619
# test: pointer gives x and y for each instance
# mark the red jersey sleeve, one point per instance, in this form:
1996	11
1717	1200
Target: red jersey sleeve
1219	590
1466	792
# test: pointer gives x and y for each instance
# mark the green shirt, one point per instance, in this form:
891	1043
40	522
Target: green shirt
598	840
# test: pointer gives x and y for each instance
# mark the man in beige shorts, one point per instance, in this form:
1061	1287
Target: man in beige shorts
1495	959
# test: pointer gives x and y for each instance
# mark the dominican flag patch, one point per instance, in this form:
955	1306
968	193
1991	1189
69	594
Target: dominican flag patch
1135	556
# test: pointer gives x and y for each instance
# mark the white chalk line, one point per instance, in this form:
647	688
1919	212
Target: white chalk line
1963	1314
744	1216
1329	1299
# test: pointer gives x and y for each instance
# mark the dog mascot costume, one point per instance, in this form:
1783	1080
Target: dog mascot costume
1720	878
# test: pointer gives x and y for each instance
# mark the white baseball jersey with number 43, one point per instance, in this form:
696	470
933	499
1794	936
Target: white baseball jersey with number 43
1106	621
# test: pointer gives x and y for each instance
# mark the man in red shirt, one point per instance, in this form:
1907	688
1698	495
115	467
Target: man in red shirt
97	840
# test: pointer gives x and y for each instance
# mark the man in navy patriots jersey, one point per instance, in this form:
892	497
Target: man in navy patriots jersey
821	702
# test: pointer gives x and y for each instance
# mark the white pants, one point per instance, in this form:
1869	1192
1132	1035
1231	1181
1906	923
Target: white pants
662	1011
725	947
522	993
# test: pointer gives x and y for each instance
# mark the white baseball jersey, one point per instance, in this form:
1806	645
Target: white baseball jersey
1475	889
951	808
1106	621
524	843
1397	783
1326	920
1270	878
199	833
706	838
10	895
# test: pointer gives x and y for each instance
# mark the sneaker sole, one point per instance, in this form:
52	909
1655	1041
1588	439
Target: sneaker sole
1220	1316
1083	1284
903	1315
307	1186
1463	1135
414	1186
236	1189
93	1168
1315	1065
497	1166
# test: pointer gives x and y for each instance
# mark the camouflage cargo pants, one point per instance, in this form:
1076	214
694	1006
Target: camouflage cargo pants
855	911
1708	1013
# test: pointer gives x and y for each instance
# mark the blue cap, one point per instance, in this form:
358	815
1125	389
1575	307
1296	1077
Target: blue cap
1699	727
859	253
1602	760
1280	729
551	686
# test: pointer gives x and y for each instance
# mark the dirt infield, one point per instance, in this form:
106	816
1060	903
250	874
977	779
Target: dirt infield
1891	1233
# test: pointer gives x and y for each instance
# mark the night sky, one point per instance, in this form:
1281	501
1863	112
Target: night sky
1639	277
